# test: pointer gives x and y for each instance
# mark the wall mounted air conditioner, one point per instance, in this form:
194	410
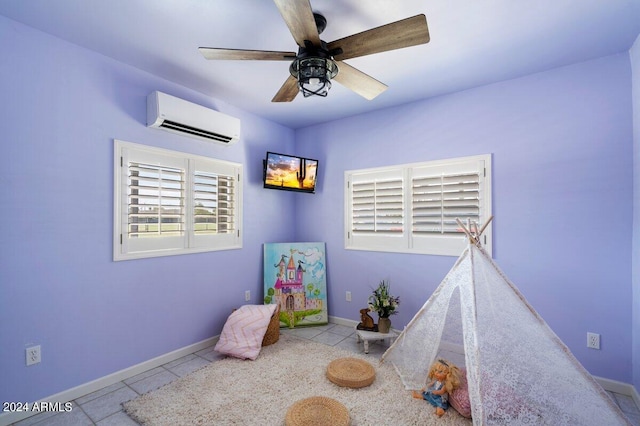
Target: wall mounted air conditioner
179	116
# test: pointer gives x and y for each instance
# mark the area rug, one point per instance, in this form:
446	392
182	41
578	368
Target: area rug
237	392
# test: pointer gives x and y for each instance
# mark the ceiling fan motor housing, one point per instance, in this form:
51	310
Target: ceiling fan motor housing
321	22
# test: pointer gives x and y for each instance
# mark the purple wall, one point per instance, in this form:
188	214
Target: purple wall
61	108
635	329
562	198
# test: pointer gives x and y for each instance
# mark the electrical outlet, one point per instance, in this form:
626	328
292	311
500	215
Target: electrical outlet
348	296
33	355
593	340
247	295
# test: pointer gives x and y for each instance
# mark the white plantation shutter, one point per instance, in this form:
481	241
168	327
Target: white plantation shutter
377	216
155	200
413	208
378	207
167	202
151	200
442	193
226	204
215	204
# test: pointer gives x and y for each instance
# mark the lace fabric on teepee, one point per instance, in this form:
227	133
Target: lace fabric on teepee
518	370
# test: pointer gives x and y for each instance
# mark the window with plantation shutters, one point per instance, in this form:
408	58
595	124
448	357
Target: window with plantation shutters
167	203
413	208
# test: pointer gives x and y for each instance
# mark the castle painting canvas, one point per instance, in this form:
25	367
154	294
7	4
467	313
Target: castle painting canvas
295	280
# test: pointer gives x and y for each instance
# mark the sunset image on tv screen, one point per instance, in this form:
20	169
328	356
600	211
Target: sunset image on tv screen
285	171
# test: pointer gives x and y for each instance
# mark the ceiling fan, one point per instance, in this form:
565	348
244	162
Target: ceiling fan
318	62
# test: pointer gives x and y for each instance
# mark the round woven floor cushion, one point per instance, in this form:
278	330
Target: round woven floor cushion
351	372
317	411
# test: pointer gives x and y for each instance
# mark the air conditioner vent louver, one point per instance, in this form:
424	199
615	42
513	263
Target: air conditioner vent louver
183	128
179	116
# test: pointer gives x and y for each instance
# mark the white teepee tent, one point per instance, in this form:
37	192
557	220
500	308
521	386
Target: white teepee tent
518	370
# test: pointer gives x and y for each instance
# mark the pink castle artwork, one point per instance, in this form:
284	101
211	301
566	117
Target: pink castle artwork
296	299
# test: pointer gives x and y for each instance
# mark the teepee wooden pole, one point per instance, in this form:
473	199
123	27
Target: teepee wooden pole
466	230
474	237
485	225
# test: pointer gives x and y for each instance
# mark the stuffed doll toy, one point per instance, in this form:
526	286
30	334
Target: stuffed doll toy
445	377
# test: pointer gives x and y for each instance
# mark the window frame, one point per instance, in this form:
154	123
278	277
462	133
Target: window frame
188	239
450	242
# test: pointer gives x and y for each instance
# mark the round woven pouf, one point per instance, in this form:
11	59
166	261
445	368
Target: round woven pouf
351	372
317	411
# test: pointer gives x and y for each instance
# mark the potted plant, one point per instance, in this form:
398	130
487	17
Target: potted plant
384	304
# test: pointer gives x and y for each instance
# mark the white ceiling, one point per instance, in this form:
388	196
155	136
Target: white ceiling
473	42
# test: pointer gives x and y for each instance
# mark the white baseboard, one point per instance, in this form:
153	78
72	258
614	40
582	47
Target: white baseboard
343	321
619	387
118	376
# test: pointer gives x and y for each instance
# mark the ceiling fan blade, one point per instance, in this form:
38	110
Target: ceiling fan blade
407	32
299	18
240	54
288	91
361	83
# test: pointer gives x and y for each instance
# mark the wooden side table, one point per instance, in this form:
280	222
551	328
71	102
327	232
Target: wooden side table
366	336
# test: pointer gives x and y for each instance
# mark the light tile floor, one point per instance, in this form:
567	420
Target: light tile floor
104	407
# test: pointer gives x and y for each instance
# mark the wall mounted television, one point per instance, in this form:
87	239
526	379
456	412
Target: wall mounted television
290	173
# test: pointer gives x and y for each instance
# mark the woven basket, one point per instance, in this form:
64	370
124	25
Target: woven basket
273	330
351	372
317	411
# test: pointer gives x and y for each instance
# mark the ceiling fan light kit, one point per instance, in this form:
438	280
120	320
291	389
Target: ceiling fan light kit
317	62
314	75
314	68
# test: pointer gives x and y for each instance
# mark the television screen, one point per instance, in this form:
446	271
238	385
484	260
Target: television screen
290	173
